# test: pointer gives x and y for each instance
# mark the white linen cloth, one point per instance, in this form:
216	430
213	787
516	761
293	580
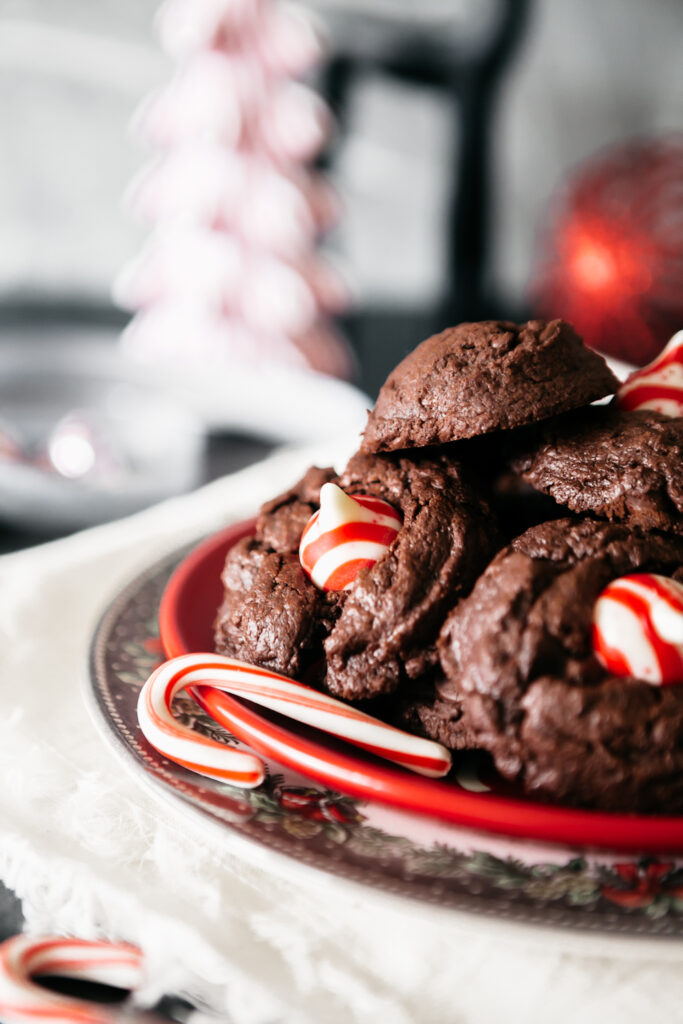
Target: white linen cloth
91	851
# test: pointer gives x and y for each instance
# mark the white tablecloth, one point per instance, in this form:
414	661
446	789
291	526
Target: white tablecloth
92	852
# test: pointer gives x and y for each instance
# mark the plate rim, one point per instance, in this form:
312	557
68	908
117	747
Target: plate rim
534	921
518	818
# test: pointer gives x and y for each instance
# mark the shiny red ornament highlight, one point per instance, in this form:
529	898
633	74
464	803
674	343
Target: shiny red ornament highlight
612	258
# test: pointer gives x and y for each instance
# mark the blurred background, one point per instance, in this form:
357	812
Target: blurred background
179	288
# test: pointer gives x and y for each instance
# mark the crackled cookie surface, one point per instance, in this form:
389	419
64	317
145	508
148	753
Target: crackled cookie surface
625	466
517	654
381	632
391	616
479	377
272	615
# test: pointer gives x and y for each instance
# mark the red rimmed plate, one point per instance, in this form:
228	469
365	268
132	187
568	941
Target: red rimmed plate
188	608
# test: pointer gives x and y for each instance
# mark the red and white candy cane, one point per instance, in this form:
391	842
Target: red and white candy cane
183	745
638	628
659	385
280	694
23	958
347	534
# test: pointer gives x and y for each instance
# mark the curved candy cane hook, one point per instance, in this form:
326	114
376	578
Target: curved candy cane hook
280	694
24	957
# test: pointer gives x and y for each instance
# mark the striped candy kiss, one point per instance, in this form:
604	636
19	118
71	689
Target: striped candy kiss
659	385
280	694
22	958
346	535
638	628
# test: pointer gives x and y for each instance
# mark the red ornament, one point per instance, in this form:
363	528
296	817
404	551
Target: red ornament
612	261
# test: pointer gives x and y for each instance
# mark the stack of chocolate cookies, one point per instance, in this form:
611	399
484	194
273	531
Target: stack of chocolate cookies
520	503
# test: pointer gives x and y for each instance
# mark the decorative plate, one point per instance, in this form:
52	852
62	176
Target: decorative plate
360	832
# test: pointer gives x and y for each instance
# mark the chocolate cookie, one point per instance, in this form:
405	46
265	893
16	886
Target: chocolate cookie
281	521
272	615
391	616
625	466
441	720
479	377
517	654
367	640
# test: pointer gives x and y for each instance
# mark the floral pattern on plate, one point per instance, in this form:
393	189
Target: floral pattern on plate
394	850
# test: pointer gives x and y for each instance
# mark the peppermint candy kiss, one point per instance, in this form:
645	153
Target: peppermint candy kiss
659	385
638	628
346	535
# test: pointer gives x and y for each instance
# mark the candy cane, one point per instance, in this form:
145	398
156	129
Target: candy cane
638	628
183	745
22	958
280	694
659	385
346	535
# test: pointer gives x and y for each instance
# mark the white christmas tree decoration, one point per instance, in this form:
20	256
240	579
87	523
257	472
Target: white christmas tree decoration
231	274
